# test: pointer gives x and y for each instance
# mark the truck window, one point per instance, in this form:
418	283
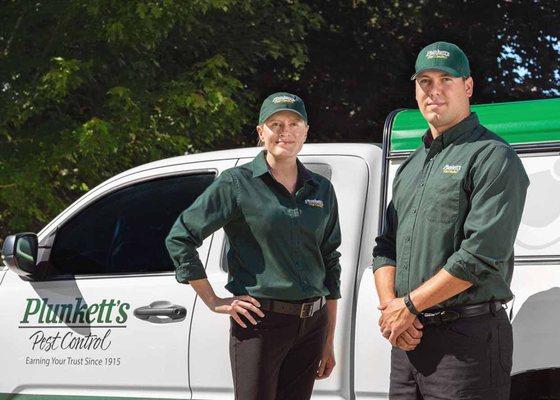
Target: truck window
320	168
124	232
539	231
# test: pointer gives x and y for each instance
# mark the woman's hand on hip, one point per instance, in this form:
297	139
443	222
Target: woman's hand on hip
236	306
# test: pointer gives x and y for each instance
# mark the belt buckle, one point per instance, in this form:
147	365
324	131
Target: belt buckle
306	310
449	316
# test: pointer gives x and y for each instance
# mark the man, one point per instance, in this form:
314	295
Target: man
444	261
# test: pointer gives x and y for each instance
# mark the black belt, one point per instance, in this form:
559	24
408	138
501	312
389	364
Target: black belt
445	315
305	308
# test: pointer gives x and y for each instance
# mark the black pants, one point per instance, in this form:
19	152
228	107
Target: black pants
467	359
278	358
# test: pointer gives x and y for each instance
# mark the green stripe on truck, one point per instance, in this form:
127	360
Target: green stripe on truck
520	122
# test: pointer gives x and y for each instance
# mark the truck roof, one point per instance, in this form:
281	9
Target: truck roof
355	149
519	123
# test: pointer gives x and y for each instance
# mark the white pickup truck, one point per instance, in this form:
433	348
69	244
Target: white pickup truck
90	306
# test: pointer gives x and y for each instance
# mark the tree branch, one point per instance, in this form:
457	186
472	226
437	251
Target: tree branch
16	27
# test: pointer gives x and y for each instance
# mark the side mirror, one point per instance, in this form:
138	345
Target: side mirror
20	253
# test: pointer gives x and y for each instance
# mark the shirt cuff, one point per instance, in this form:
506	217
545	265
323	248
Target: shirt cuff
332	283
334	294
457	267
381	261
189	272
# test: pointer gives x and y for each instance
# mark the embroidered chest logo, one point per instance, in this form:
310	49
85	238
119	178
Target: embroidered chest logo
314	203
451	169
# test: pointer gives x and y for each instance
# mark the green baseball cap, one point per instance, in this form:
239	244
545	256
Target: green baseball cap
282	101
445	57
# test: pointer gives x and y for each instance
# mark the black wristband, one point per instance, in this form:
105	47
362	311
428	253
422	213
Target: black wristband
408	303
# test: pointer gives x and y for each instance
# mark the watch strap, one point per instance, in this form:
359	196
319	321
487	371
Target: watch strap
408	303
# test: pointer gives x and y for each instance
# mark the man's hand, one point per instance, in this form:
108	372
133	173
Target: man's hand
395	320
411	337
327	360
234	306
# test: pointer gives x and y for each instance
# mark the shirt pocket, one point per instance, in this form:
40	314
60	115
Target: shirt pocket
442	200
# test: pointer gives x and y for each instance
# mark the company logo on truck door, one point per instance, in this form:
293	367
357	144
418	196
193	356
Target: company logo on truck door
108	311
73	331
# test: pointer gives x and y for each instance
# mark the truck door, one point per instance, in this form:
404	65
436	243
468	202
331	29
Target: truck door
110	320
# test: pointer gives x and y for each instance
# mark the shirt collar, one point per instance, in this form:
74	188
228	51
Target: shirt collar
260	167
452	134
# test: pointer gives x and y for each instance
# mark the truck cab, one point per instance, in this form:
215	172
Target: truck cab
99	312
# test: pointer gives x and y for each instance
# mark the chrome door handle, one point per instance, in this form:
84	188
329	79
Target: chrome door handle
160	312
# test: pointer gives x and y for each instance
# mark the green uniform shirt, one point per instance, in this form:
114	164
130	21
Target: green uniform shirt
457	204
281	246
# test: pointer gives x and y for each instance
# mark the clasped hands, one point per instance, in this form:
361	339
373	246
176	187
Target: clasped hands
399	325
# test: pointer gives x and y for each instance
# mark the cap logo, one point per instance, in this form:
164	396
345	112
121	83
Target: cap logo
283	99
437	54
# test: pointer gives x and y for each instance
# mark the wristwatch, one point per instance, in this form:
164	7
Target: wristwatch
409	305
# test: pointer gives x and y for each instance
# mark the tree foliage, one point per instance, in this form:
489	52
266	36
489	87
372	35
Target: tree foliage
91	88
361	60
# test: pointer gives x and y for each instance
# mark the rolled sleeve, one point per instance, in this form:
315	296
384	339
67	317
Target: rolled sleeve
384	252
329	251
210	211
190	271
462	265
499	187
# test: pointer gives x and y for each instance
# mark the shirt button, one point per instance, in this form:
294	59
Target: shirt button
422	184
414	211
405	266
408	238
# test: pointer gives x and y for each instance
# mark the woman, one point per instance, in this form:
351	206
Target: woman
282	224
